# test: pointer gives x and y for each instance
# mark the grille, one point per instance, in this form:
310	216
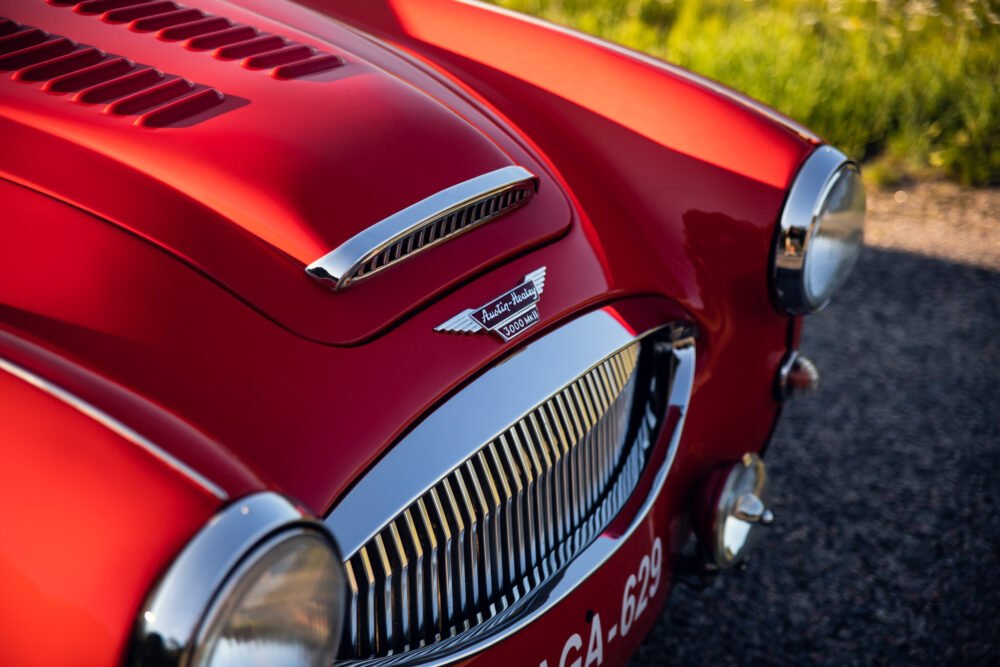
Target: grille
283	58
509	517
95	77
443	228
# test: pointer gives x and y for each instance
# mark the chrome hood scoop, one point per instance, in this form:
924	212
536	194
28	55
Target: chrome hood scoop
418	228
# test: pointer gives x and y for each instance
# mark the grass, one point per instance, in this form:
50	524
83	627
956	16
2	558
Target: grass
912	87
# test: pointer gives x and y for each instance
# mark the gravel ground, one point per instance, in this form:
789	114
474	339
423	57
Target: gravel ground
886	483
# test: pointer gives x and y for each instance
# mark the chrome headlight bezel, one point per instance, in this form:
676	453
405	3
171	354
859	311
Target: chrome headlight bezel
185	603
823	172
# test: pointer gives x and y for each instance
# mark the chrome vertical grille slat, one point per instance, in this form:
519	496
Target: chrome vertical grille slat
416	575
401	589
505	520
367	616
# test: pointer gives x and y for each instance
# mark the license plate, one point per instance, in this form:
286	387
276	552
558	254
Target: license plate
586	649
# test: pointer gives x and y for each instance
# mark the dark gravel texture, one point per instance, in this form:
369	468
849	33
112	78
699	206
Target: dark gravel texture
886	485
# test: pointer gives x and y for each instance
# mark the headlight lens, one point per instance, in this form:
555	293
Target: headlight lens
261	584
282	606
835	244
822	230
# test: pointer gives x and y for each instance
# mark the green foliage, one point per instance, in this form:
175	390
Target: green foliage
914	84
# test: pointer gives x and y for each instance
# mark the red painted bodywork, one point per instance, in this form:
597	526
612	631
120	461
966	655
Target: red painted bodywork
157	273
88	520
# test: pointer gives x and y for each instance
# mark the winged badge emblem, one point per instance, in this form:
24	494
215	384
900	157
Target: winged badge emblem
509	315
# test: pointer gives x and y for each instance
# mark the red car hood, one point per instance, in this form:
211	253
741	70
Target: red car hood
279	173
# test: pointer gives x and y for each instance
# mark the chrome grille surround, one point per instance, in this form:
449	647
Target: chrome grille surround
436	219
472	555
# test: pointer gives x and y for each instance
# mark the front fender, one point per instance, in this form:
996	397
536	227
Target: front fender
89	521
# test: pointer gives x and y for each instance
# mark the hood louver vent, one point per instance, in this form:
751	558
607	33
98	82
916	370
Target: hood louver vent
99	78
198	31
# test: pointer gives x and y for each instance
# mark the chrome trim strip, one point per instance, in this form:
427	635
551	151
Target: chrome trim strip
170	618
478	414
115	426
529	608
340	267
675	70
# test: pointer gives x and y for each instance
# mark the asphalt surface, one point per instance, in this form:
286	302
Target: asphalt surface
886	482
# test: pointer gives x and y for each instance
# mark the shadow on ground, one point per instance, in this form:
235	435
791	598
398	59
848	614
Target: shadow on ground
886	484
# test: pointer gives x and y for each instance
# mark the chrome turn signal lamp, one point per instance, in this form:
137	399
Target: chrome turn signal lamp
821	234
732	511
797	376
261	584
